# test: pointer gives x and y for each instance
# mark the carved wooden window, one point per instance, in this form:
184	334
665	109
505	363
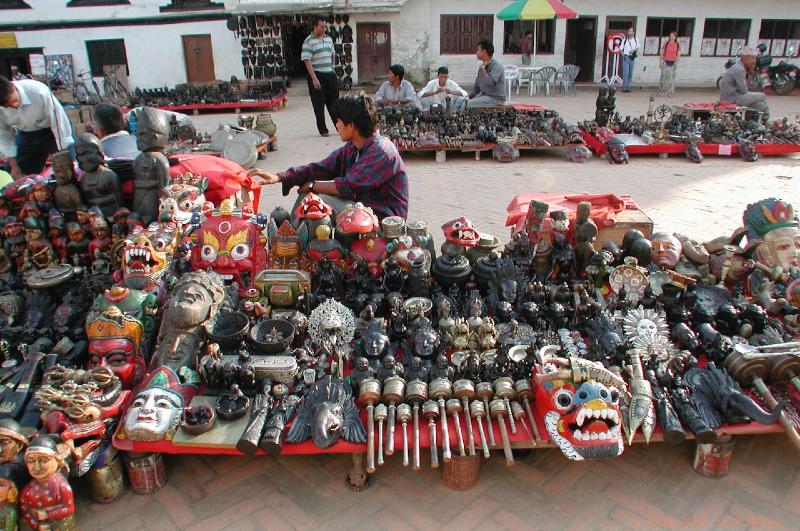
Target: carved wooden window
460	33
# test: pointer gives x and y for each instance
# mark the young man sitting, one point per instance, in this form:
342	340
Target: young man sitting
443	91
367	169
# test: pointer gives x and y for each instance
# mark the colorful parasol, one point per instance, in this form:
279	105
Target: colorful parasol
536	10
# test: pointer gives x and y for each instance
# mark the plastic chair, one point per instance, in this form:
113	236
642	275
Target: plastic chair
524	79
565	78
542	78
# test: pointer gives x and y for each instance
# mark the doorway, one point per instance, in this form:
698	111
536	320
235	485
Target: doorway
374	51
616	25
17	58
199	58
580	45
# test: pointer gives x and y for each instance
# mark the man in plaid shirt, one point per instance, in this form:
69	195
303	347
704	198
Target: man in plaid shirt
367	169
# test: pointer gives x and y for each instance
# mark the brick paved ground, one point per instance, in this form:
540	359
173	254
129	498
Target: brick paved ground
648	487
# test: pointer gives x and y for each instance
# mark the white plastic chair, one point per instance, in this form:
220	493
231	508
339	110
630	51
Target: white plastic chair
565	78
542	78
524	79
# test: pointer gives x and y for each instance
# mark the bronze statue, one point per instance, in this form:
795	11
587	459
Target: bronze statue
67	196
99	184
150	168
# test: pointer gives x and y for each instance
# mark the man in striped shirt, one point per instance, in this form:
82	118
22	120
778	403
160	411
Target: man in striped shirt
317	54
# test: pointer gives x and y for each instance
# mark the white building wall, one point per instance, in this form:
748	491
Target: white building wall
155	52
416	32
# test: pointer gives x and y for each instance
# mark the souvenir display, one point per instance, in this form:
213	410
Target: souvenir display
506	128
190	327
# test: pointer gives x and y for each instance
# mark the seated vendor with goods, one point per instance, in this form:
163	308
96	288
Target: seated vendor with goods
367	169
110	129
444	92
733	85
396	91
490	83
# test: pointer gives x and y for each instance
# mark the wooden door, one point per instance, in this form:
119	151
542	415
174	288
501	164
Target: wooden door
580	45
617	25
199	58
374	51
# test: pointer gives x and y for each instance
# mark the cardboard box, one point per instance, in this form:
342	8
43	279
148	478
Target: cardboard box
66	97
74	115
87	113
628	219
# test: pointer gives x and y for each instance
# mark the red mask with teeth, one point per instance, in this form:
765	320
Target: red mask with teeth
312	207
584	419
230	245
461	231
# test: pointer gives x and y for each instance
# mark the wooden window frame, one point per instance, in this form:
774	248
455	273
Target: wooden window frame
685	50
794	27
706	48
467	41
528	24
105	42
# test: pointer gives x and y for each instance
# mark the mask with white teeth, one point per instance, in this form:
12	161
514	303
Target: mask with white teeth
583	420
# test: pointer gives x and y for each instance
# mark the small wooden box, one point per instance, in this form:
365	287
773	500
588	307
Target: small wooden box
628	219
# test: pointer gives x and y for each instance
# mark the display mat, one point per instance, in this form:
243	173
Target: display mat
274	103
599	148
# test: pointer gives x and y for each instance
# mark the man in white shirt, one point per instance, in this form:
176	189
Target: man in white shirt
396	91
441	90
33	125
630	49
114	139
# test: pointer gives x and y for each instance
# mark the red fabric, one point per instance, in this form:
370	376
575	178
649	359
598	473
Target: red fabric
562	10
527	107
710	105
275	102
605	207
225	178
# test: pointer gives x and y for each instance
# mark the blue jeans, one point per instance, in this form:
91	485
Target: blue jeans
627	72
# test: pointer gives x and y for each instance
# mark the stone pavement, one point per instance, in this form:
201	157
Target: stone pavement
648	487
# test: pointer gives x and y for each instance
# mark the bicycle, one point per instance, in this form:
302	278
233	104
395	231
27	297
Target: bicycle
113	89
81	91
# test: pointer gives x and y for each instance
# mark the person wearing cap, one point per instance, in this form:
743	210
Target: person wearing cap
442	89
733	85
33	125
47	501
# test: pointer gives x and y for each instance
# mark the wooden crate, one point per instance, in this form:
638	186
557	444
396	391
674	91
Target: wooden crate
627	220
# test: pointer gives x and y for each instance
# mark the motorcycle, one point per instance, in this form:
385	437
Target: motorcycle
783	76
760	76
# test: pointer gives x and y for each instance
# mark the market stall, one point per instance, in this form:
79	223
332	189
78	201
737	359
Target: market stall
694	129
178	319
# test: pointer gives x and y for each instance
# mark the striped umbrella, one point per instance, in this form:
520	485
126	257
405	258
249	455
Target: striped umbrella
536	10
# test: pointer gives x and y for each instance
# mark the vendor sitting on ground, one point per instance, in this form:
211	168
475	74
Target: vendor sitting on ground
367	169
109	127
733	85
443	91
490	83
396	91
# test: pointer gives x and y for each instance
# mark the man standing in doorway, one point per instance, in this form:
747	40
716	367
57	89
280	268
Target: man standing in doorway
526	47
33	125
317	54
630	49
